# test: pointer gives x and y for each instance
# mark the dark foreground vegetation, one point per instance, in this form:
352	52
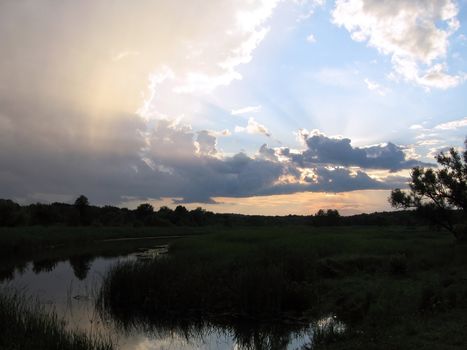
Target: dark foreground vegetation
25	328
393	287
439	195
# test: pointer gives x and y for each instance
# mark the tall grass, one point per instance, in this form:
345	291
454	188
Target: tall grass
384	283
26	327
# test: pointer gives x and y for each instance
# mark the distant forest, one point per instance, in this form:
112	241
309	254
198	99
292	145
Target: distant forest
81	213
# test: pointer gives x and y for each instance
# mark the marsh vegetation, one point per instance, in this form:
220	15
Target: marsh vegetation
390	286
261	287
26	325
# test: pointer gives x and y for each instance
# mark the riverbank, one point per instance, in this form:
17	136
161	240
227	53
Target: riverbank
27	240
390	286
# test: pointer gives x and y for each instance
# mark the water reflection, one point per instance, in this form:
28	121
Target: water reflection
81	265
69	286
196	334
46	265
81	260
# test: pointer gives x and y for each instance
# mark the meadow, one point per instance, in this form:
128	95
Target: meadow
393	287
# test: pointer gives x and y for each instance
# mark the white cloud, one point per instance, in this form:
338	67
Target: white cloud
436	77
452	125
373	86
221	133
245	36
253	127
416	127
409	31
428	142
246	110
311	38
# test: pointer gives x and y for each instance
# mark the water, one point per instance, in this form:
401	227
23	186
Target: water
70	287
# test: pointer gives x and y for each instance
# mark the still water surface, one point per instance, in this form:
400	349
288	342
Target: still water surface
69	287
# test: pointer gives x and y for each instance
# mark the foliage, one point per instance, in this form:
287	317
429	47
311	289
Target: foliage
81	202
330	217
390	286
82	206
82	213
438	194
10	213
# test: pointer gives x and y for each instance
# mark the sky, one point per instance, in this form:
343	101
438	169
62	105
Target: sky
268	107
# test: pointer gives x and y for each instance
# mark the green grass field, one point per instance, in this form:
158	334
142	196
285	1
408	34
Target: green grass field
394	287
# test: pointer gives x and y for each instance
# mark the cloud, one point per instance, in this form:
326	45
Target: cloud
373	86
452	125
333	180
339	151
72	77
439	135
246	110
82	80
414	33
67	117
169	160
416	127
206	143
267	153
221	133
253	127
311	39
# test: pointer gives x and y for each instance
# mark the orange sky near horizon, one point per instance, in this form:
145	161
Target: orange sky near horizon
304	203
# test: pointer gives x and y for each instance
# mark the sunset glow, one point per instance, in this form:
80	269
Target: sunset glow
255	107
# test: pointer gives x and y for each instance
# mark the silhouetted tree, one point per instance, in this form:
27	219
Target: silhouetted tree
144	210
82	205
11	213
112	216
330	217
198	216
41	214
439	194
144	213
81	202
180	215
180	210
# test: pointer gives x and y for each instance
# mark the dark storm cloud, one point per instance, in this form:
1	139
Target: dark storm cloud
335	180
206	143
339	151
166	161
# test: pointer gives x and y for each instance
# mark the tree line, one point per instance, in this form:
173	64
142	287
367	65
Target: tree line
82	213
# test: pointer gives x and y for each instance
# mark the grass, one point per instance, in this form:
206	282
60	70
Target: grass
19	240
390	286
25	327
